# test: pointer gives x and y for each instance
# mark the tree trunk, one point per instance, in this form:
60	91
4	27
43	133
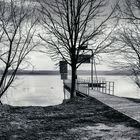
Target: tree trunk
73	82
1	103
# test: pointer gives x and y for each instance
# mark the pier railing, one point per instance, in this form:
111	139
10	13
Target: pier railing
85	85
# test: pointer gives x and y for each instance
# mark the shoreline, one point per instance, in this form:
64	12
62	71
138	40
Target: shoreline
80	118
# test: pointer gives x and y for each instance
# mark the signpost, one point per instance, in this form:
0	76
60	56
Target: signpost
88	61
84	58
63	67
64	76
64	72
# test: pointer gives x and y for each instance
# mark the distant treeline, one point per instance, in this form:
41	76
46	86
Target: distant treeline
79	72
35	72
109	72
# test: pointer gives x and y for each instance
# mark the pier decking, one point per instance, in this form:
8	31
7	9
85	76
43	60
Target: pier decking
122	105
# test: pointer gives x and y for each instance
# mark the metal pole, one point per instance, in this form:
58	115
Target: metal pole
109	88
91	66
113	88
92	70
64	89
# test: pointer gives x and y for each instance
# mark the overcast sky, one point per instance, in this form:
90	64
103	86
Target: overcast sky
43	61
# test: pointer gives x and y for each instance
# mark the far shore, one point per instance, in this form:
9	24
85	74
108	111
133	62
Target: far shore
77	119
79	72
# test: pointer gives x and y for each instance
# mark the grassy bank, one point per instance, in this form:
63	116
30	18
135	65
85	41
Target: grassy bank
81	118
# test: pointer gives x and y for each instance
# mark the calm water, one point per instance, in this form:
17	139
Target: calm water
48	90
124	86
35	91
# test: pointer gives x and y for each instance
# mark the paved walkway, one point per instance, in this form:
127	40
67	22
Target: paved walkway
125	106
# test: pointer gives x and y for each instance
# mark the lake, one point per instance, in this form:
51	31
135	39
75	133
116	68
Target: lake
47	90
35	91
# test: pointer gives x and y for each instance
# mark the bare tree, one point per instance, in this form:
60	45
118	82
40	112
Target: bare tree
128	37
16	39
69	25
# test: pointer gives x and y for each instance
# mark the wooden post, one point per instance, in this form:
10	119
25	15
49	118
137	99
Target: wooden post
109	88
113	89
106	87
97	87
88	90
77	85
102	87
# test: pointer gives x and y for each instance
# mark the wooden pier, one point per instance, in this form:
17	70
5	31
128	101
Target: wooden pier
122	105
